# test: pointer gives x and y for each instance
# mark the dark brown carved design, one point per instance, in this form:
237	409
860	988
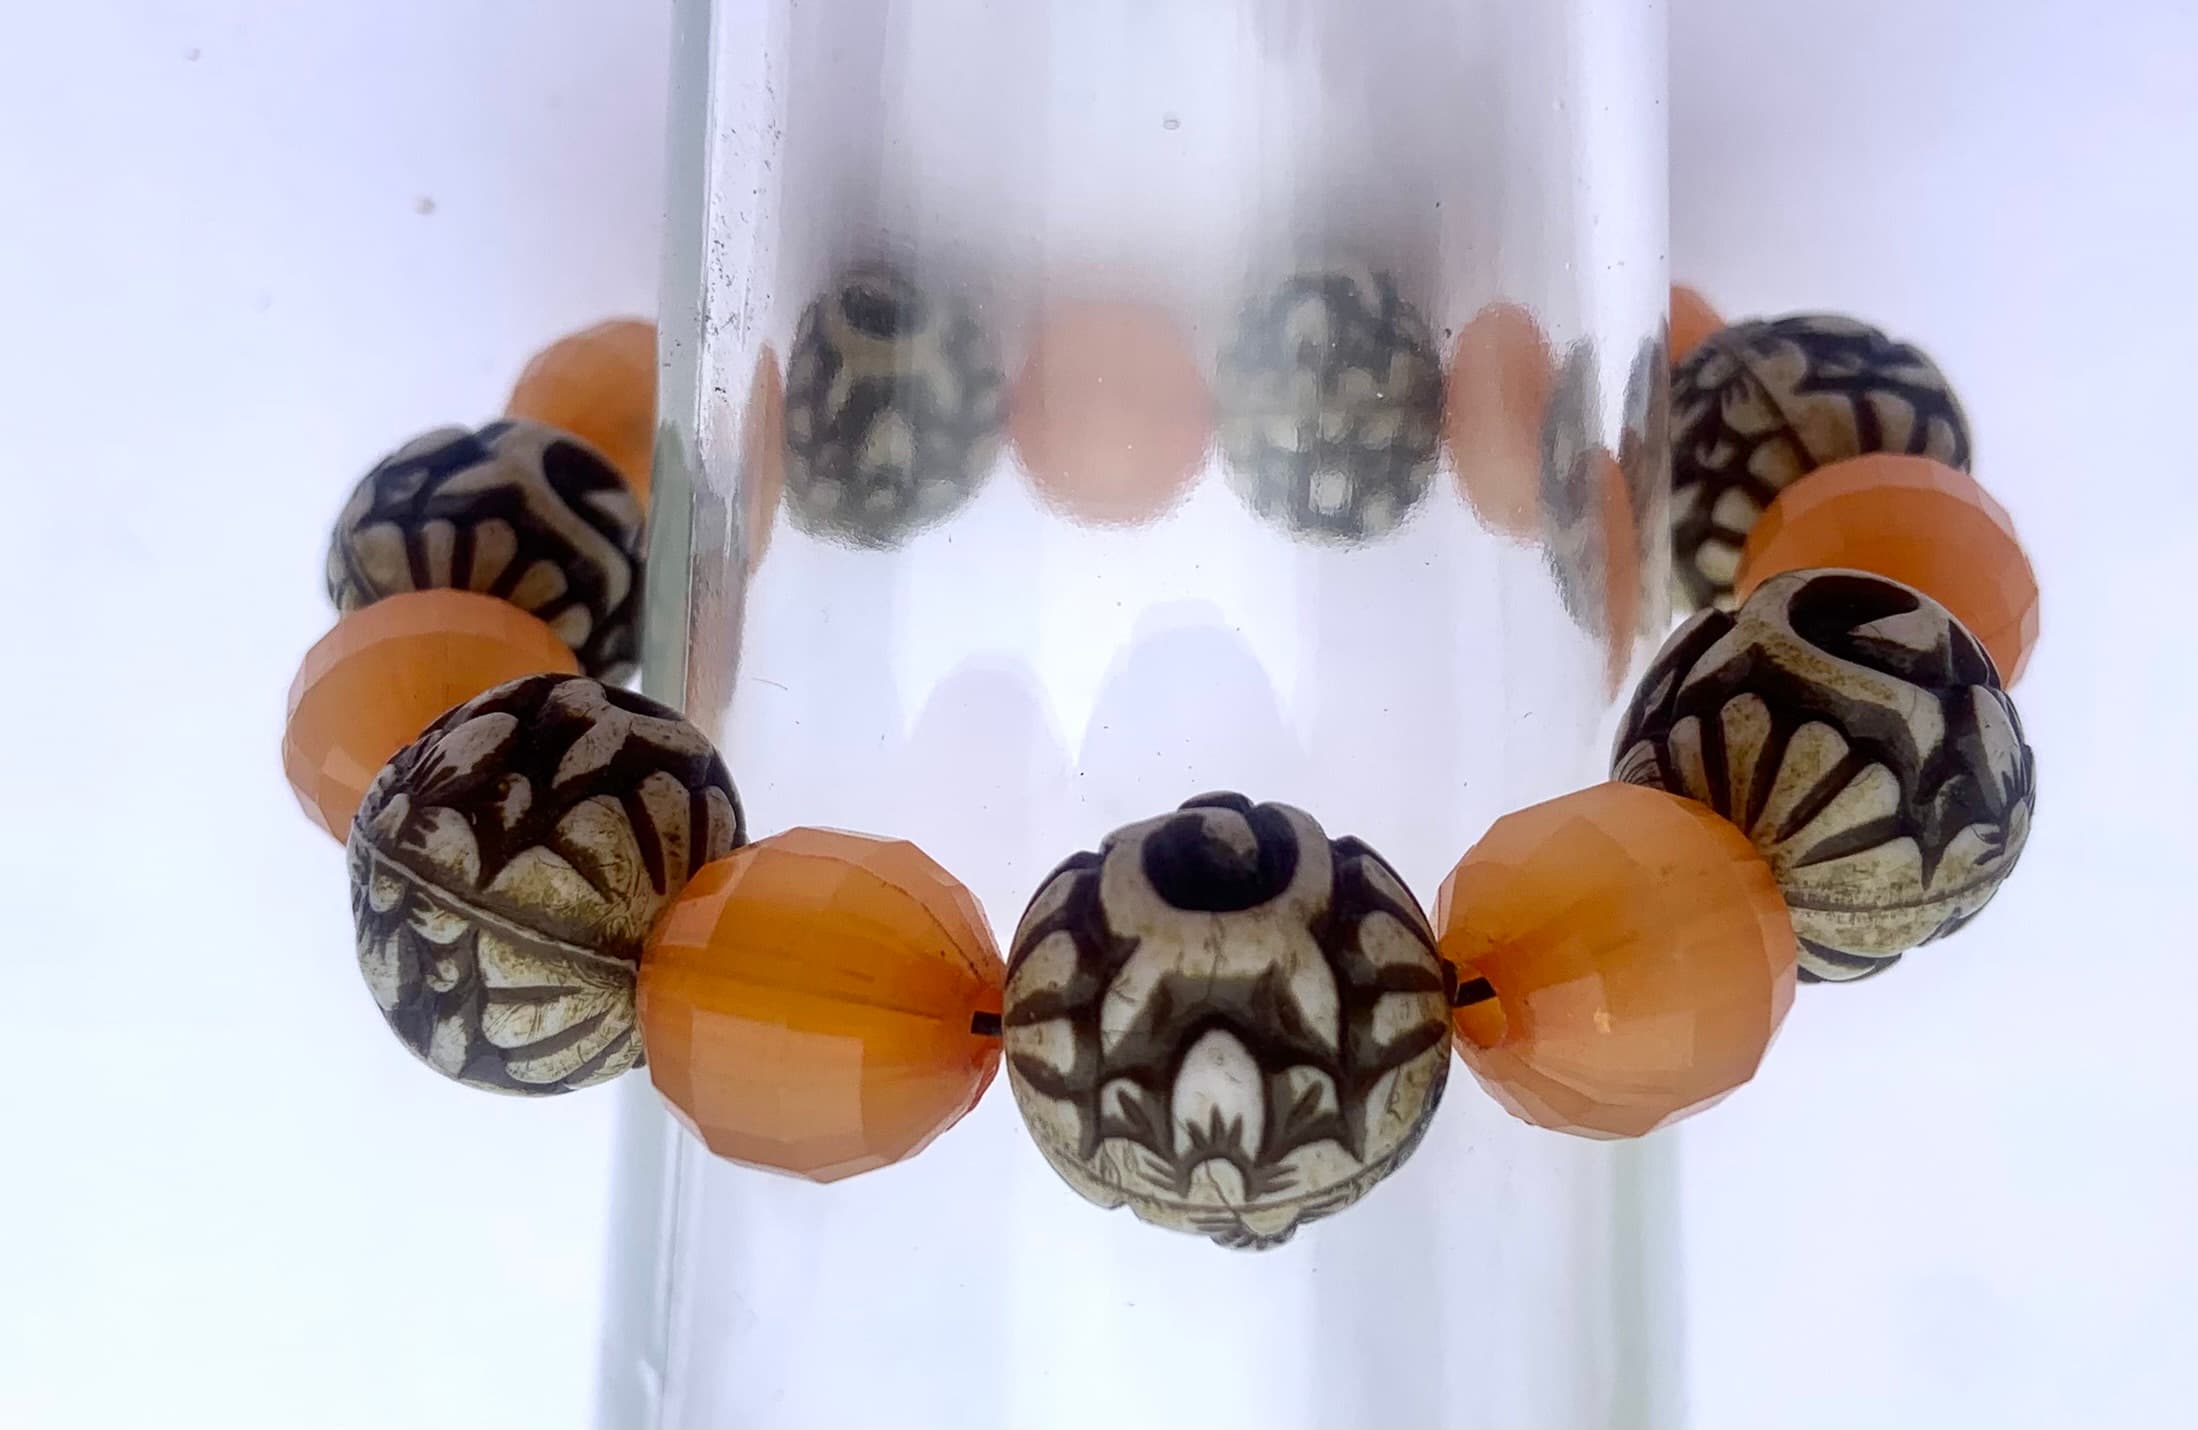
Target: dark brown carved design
1859	736
1760	404
894	403
516	510
1226	987
507	865
1331	405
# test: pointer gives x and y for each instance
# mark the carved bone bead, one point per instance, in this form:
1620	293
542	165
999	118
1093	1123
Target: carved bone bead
1226	1021
507	865
1851	728
518	511
1760	405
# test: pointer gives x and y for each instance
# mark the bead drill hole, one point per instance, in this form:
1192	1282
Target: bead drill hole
1478	1014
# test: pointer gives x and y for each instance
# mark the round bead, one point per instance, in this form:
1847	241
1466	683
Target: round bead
598	384
371	685
1920	522
1110	414
1226	1021
821	1003
516	510
1692	321
1759	404
1623	960
1501	373
893	403
1851	728
1331	405
506	866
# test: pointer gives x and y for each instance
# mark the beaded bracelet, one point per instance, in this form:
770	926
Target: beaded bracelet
1223	1017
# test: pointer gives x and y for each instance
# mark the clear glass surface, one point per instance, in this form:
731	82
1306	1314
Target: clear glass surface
1008	680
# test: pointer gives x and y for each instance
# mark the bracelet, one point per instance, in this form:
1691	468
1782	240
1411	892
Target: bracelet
1222	1017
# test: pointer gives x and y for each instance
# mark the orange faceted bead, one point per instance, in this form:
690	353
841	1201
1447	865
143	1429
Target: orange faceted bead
821	1003
1692	320
1639	954
598	384
1501	377
1919	522
1110	415
370	686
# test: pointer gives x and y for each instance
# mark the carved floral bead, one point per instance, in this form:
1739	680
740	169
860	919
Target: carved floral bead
506	866
1759	405
1851	728
1226	1021
516	510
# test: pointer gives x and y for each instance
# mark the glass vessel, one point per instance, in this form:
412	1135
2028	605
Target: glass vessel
1072	407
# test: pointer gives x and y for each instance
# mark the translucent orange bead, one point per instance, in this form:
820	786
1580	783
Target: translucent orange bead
1639	956
1692	320
821	1003
370	686
598	384
1919	522
1110	416
1501	377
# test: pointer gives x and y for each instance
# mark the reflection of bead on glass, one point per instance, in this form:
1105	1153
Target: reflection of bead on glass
1110	415
893	406
762	476
1851	728
1330	399
1919	522
1644	456
1226	1021
516	510
1501	374
1590	520
1760	404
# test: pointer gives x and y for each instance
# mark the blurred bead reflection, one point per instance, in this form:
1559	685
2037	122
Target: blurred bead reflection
893	404
1590	523
1330	396
1644	448
762	455
1110	415
1501	374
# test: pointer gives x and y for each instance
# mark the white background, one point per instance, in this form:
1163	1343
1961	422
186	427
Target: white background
245	246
